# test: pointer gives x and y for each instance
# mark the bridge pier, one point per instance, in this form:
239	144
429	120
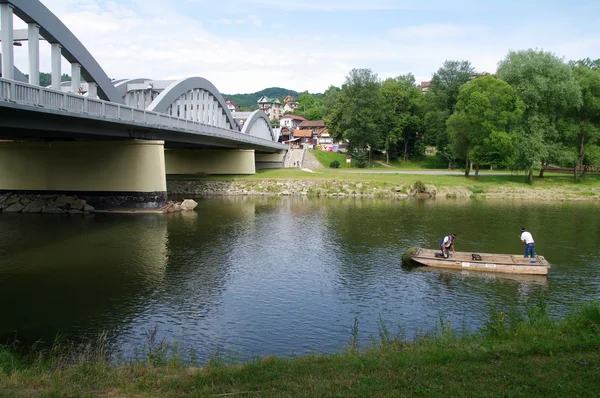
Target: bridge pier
107	174
269	160
210	161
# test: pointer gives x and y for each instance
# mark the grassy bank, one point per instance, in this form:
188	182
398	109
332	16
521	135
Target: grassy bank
512	355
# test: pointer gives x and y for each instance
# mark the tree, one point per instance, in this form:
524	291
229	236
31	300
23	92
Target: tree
402	104
482	125
585	119
440	101
548	89
356	115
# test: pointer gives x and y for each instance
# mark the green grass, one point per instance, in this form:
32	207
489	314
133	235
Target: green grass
385	175
514	354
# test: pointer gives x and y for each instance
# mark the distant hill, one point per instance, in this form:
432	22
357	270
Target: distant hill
249	100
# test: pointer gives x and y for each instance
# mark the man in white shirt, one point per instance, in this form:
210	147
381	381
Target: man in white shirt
529	243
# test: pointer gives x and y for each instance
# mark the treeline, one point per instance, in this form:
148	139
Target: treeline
535	111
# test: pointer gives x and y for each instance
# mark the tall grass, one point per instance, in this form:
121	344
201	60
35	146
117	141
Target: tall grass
515	353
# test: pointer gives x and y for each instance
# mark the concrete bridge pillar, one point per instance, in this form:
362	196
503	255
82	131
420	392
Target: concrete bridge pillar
210	161
269	160
107	174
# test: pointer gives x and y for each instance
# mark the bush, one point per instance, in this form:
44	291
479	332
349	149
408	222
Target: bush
419	187
334	164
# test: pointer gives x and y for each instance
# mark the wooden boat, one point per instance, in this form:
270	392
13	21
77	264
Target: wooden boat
507	263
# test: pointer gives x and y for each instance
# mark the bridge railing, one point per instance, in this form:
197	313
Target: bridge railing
27	94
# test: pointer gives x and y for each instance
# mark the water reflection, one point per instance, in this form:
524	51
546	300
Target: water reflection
255	276
77	275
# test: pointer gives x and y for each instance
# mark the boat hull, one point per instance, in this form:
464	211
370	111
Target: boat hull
504	263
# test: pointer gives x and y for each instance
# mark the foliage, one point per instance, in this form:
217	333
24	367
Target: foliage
408	255
357	114
582	126
402	121
335	164
440	102
419	187
548	89
360	156
482	126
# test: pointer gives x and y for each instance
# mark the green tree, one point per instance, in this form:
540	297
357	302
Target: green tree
548	89
357	114
584	121
482	125
402	122
440	101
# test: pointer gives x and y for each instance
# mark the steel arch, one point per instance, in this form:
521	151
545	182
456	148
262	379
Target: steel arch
54	31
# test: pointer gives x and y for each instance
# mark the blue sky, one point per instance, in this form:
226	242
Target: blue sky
247	45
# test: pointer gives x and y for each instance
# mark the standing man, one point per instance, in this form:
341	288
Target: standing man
529	242
446	243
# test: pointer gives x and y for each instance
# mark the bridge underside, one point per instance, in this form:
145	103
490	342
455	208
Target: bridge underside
22	124
109	165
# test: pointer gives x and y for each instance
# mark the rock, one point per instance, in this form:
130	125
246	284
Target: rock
188	204
75	211
398	189
14	198
35	206
88	209
25	200
14	208
67	201
359	185
285	193
78	204
52	210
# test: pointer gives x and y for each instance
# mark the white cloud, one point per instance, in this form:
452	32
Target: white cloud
155	39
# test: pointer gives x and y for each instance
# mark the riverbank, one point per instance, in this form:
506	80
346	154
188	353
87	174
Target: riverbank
512	355
342	183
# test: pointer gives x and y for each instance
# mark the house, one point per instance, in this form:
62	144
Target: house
290	104
308	132
425	86
291	121
232	105
271	106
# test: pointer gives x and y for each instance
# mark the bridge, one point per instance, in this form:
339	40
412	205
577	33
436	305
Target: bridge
112	142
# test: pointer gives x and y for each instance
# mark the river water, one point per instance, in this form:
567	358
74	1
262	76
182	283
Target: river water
248	277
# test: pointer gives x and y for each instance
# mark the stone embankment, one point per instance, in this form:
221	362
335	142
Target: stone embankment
302	188
53	204
62	204
375	189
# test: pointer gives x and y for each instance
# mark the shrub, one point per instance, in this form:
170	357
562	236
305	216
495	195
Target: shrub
334	164
419	187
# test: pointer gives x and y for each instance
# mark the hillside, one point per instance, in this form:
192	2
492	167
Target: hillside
249	100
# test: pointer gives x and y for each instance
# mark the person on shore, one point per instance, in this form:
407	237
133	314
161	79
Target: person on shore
447	243
529	242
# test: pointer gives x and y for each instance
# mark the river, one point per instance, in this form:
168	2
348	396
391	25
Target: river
252	276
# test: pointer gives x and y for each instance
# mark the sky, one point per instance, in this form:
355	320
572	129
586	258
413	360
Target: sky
244	46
